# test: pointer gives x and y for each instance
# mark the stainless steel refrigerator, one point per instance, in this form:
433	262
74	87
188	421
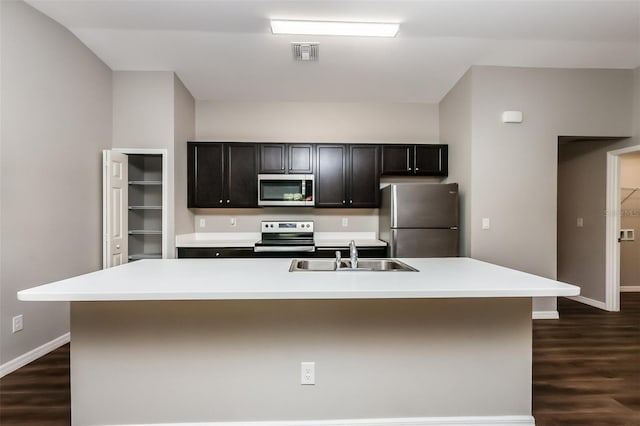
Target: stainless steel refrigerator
420	219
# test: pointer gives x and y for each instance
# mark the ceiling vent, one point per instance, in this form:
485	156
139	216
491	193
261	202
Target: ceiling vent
305	51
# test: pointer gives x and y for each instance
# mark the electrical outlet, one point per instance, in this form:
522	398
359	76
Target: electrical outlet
308	373
232	221
345	222
202	223
580	222
17	323
486	223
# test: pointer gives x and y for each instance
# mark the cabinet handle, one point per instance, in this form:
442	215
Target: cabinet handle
117	246
417	168
409	169
227	201
344	202
220	201
217	254
350	201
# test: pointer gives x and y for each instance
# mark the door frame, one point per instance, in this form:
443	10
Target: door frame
165	189
612	268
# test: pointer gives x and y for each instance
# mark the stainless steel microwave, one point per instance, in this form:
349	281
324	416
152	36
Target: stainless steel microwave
286	190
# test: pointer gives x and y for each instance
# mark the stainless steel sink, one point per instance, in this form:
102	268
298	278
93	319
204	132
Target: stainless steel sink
315	265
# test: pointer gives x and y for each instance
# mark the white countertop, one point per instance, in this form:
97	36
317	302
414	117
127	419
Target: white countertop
248	239
226	279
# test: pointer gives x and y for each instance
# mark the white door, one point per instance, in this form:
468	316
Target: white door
115	204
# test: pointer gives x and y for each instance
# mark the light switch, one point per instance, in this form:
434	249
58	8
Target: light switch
486	223
580	222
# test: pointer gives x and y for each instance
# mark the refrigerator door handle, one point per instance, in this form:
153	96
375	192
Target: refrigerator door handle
394	243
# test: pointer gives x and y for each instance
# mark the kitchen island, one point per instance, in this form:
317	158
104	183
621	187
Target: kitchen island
222	340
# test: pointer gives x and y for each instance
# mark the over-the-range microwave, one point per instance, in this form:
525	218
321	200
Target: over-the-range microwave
286	190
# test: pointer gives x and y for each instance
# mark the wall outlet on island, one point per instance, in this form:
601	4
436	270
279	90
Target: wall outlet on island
16	324
345	222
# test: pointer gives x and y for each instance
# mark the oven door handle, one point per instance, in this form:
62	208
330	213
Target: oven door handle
308	249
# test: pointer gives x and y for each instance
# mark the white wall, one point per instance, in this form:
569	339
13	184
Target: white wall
309	122
56	119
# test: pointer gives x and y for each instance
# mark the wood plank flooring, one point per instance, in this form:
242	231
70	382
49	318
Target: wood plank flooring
586	371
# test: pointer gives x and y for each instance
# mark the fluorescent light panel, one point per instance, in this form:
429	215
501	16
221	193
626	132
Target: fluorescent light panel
366	29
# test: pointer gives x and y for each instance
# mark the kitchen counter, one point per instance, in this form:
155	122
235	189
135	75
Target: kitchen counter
248	239
227	279
221	341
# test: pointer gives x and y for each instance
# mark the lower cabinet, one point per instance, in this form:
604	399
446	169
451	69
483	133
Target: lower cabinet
243	252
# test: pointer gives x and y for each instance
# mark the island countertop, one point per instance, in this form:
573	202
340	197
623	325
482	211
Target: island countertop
270	279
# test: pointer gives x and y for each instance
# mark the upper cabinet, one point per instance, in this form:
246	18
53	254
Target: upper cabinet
286	158
415	160
221	175
225	174
348	175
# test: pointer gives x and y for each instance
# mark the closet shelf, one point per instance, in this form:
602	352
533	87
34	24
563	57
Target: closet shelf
145	182
145	207
144	232
145	256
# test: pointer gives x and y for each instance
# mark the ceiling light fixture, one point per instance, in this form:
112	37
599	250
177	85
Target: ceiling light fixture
366	29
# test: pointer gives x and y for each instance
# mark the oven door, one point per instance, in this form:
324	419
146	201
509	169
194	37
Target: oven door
286	190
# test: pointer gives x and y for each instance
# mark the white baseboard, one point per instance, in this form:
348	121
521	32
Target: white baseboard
591	302
545	315
629	288
410	421
24	359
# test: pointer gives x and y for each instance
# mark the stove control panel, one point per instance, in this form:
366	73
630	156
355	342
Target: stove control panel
297	226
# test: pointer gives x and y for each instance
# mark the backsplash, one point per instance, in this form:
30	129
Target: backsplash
248	220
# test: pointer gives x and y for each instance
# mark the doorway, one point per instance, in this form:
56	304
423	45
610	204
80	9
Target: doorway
623	211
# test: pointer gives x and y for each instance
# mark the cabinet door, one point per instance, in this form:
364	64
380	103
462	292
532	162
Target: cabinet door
397	159
241	176
331	176
273	158
300	158
204	175
364	176
432	160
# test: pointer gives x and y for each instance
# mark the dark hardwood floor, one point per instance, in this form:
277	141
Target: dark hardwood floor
586	371
38	393
586	366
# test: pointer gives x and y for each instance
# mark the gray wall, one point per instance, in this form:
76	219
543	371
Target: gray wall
56	118
513	167
153	109
582	182
630	209
207	361
184	113
455	130
310	122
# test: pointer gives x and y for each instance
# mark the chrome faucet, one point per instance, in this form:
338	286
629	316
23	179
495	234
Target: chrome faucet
338	259
353	254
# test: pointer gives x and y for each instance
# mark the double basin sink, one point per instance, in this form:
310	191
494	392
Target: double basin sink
314	265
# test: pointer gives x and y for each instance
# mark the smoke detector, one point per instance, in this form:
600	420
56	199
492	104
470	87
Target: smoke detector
305	51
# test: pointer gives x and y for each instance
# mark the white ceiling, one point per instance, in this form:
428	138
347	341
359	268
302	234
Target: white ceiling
223	49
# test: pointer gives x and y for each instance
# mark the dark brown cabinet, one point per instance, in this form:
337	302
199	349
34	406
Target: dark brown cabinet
286	158
331	175
347	176
415	160
221	175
